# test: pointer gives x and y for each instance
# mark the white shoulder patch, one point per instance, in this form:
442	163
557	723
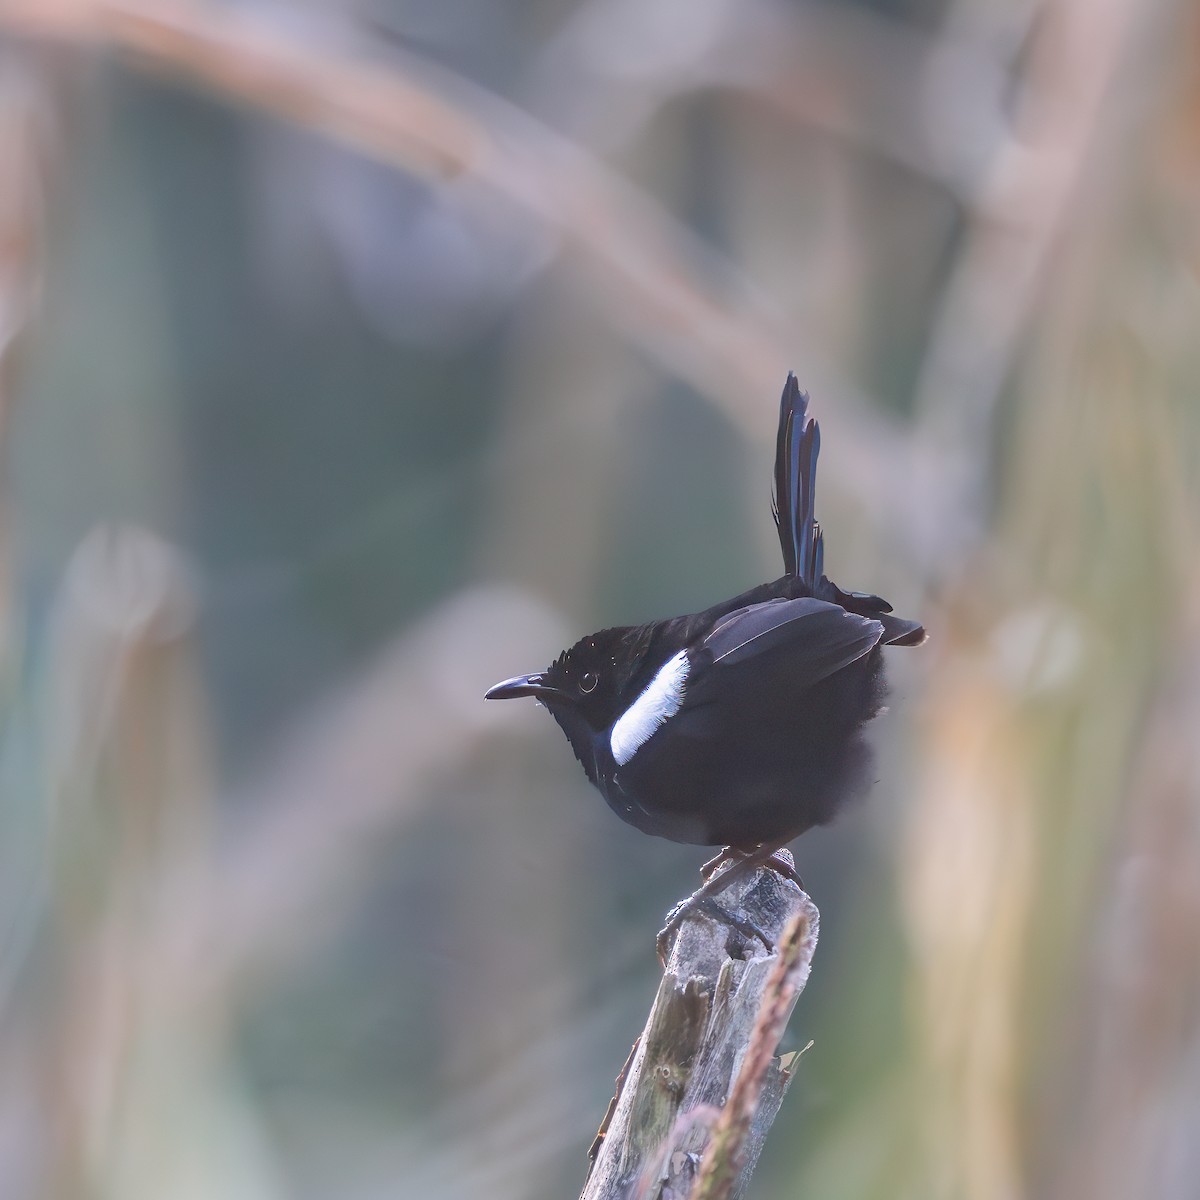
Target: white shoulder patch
661	699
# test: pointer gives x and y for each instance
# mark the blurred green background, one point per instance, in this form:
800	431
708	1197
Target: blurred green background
357	355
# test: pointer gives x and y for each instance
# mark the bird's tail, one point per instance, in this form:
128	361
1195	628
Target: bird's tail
796	449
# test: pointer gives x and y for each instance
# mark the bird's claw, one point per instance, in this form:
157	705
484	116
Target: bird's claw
783	865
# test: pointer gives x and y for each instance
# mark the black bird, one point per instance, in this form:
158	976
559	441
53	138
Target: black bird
743	725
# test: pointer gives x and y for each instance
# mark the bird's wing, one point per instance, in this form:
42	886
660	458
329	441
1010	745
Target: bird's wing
820	638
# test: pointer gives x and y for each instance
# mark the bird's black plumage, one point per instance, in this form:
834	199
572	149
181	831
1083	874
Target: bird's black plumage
741	725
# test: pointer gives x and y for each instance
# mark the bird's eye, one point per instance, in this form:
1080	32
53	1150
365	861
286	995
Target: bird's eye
588	681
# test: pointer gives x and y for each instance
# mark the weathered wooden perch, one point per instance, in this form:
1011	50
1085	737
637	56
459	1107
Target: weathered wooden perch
702	1085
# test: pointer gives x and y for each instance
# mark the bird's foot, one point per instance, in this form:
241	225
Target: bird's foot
740	862
780	862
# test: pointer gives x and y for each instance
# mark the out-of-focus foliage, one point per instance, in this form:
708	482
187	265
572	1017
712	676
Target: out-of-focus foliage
356	355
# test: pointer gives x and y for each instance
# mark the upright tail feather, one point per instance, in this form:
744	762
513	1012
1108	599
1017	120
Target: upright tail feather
797	445
796	448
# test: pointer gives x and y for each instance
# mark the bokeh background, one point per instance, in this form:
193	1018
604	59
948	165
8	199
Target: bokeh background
359	353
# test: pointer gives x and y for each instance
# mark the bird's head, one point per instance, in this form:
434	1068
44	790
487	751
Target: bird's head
579	684
584	687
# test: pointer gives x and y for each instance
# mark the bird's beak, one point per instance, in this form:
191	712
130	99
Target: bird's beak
525	685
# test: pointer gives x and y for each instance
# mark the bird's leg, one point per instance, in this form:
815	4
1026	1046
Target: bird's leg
742	862
729	854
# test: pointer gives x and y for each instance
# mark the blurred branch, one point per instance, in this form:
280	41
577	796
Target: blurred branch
127	792
701	1088
1138	1068
161	919
25	154
875	82
968	889
22	154
665	288
1057	162
427	120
